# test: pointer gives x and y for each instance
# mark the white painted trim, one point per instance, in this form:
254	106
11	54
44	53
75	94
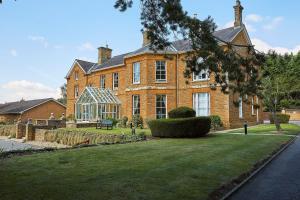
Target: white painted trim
75	62
166	70
42	104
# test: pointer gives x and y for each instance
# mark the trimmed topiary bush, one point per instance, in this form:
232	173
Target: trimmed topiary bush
137	121
180	128
182	112
283	118
216	122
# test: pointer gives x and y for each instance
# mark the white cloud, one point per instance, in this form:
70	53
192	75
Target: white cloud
13	53
265	47
87	46
254	18
18	89
273	23
229	24
40	39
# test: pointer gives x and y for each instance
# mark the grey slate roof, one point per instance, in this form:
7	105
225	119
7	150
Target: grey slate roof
86	66
226	35
20	106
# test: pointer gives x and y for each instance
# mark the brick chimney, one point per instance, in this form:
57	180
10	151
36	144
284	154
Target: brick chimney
146	40
238	12
104	54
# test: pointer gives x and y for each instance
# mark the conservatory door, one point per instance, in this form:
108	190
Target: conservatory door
86	112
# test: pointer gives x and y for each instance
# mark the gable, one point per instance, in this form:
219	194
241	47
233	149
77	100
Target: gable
80	65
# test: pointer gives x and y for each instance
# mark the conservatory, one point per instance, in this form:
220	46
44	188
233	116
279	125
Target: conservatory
96	104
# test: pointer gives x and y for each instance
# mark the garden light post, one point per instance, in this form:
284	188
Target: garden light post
246	127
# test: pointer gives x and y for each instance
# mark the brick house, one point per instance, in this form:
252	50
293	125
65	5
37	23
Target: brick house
150	84
33	109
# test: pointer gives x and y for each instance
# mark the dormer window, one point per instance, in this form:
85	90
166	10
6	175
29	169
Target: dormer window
203	75
76	76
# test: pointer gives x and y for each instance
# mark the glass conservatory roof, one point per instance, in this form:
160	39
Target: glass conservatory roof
97	95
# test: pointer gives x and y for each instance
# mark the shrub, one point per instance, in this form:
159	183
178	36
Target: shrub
124	121
282	118
216	122
8	130
137	121
182	112
180	128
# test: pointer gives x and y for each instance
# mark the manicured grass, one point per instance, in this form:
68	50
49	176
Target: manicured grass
290	129
115	131
168	169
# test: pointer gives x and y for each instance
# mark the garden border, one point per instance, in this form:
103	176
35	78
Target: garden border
264	163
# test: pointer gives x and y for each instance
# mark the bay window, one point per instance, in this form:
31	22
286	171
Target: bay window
136	106
161	106
136	73
160	71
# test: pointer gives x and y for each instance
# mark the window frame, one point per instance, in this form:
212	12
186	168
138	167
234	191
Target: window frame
241	113
76	75
76	91
102	81
114	81
252	107
134	73
138	105
198	108
200	75
166	107
156	65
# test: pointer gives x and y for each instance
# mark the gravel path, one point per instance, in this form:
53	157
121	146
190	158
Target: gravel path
279	180
10	145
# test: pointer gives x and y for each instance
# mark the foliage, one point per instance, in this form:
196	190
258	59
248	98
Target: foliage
8	130
63	93
180	128
73	137
282	118
137	121
280	81
161	18
182	112
216	122
124	121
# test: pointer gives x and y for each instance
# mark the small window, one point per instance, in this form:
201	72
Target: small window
136	106
203	75
136	73
201	104
76	76
240	107
102	81
115	81
161	106
76	91
161	72
252	106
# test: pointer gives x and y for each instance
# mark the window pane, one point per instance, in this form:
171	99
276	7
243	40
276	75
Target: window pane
201	104
161	110
136	72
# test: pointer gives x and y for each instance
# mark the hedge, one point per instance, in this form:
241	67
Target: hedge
283	118
182	112
216	122
180	128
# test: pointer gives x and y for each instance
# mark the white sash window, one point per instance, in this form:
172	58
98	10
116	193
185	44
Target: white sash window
201	103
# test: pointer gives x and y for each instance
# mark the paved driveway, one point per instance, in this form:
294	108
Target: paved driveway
280	180
9	145
295	122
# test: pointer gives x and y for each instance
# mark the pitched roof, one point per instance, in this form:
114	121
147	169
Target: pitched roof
86	66
225	35
19	107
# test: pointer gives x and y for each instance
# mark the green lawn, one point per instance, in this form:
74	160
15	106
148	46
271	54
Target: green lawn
115	131
290	129
168	169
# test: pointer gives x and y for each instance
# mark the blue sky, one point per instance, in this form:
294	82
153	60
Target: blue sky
40	39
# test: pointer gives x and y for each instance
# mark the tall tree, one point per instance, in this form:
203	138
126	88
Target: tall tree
63	93
280	81
231	70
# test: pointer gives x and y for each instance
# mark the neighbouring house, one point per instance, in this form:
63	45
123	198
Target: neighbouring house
39	109
294	113
149	84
